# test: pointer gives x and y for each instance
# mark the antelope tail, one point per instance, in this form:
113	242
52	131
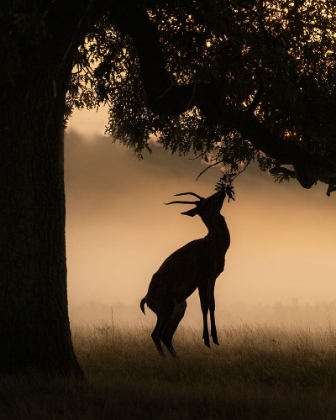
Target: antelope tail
142	304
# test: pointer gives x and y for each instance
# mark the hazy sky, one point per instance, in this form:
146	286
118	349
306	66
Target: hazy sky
119	231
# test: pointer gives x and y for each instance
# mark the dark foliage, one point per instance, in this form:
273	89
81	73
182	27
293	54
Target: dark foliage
233	81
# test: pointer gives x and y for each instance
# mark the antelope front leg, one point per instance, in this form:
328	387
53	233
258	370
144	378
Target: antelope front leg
211	303
203	294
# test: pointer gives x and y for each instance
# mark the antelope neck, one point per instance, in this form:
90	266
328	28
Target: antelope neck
217	229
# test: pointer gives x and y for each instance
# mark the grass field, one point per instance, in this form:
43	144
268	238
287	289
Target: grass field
258	372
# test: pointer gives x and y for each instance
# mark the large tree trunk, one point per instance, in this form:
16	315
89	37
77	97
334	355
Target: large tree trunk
34	326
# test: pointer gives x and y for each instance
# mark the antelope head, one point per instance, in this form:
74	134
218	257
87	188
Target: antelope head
204	206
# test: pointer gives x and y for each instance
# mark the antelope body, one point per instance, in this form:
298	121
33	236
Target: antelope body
194	266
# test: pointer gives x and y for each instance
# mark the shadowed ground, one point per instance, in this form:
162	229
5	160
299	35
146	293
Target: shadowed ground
264	372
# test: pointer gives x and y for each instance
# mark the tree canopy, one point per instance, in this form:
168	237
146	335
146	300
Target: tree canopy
232	81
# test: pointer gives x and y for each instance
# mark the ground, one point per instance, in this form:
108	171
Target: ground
258	372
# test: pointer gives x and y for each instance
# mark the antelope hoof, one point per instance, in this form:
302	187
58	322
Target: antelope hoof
207	342
171	349
160	351
215	339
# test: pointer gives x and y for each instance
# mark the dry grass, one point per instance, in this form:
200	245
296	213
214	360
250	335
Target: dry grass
264	372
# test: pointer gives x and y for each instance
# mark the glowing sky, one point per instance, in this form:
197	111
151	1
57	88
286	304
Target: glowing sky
119	231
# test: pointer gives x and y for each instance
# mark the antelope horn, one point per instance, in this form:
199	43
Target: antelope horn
190	193
182	202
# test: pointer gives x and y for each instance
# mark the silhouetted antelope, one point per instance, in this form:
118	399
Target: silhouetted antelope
195	265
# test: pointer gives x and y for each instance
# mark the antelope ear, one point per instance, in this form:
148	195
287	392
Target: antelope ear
191	212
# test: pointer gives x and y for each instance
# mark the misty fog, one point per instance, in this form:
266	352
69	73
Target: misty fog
119	232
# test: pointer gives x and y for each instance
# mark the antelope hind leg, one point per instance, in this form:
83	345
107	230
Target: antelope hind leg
157	343
163	312
172	325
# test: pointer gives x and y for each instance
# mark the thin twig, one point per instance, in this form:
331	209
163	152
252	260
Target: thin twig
208	167
197	157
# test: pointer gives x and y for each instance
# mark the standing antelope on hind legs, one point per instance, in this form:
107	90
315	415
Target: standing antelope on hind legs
194	266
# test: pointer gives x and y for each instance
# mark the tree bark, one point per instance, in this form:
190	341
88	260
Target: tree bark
34	329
